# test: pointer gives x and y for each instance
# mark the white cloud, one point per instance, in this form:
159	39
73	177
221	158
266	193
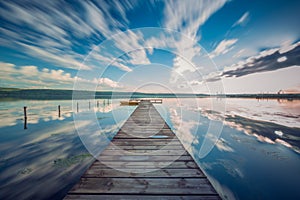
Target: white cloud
250	61
280	141
184	129
288	47
282	59
223	47
122	66
222	145
108	60
187	16
51	33
57	56
126	49
132	43
239	53
212	76
32	76
29	70
243	20
181	65
108	82
96	18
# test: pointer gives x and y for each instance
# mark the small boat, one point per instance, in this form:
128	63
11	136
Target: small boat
130	103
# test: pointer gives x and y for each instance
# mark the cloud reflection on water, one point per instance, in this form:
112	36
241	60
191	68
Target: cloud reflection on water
260	121
259	139
45	160
50	155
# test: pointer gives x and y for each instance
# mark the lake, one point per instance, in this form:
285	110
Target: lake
249	149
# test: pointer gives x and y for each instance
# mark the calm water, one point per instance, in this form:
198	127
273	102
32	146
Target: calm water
249	149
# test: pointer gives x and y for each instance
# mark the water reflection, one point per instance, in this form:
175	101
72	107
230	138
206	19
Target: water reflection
259	139
45	160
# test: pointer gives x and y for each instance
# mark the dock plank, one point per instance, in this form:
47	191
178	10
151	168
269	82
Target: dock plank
164	173
145	160
143	185
110	152
147	165
144	197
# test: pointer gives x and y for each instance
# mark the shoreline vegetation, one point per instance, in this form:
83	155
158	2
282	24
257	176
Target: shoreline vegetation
54	94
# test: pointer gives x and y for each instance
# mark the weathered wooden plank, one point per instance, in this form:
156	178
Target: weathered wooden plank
145	160
144	197
148	140
156	125
146	133
130	135
143	185
110	152
142	132
146	136
147	165
163	173
140	147
145	143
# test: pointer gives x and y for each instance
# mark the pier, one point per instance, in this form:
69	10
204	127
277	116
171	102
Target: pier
145	160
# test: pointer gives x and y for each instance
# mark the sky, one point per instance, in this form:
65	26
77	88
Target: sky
191	46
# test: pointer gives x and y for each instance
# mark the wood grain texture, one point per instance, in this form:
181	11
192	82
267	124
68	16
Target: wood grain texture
145	160
142	197
143	186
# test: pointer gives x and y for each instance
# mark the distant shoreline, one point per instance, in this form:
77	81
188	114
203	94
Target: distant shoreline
50	94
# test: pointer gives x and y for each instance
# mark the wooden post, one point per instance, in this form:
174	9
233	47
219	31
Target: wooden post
58	110
77	107
97	104
89	105
25	117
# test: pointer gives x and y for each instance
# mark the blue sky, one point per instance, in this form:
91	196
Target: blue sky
207	46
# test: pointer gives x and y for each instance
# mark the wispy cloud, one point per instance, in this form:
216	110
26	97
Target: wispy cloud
223	47
53	34
132	43
243	20
267	60
54	55
187	16
239	53
64	37
108	59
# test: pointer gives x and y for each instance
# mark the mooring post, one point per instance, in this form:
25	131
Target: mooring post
77	107
89	105
58	110
97	104
25	117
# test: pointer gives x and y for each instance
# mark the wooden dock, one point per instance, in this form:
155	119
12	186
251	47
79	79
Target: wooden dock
134	102
145	160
